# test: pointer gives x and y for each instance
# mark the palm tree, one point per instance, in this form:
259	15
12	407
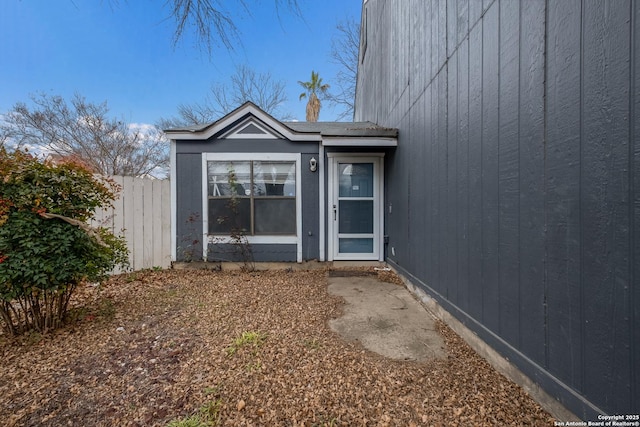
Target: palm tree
312	88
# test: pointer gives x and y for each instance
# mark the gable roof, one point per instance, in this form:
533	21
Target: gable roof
251	116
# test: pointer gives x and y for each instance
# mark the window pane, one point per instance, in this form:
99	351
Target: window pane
224	218
356	216
356	180
227	178
275	216
274	179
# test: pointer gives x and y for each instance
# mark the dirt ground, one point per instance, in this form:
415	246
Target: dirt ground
253	349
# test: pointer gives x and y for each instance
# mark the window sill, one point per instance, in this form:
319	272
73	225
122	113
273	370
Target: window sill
254	240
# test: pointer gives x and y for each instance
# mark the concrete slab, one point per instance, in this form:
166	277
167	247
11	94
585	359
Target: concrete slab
385	318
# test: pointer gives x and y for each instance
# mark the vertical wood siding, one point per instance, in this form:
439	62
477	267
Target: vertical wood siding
513	194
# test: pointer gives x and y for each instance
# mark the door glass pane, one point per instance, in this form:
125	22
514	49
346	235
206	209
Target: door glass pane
356	216
356	179
275	216
355	246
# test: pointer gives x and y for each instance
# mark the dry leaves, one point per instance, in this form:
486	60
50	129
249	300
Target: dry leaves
152	347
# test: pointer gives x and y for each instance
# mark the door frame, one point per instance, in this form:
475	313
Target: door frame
332	196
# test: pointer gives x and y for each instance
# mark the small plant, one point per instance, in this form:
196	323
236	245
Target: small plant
312	344
326	423
189	246
208	391
249	338
107	309
241	248
255	366
207	416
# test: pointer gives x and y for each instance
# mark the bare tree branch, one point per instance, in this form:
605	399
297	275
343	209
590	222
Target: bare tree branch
83	129
246	85
212	23
344	52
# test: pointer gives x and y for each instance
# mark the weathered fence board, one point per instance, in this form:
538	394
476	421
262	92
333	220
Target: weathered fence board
142	215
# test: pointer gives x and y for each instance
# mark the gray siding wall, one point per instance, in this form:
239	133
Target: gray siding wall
188	206
189	198
260	252
519	153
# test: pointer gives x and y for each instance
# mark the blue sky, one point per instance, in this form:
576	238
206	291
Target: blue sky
122	52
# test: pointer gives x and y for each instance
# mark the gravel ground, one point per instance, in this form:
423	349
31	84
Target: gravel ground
253	349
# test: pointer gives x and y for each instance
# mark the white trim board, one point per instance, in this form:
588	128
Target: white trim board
328	141
246	111
173	198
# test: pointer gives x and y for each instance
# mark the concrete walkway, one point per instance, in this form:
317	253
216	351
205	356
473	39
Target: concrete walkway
385	318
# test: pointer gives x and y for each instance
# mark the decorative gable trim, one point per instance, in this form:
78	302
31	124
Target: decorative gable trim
251	129
246	113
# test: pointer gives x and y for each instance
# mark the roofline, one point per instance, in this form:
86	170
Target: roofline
361	141
248	108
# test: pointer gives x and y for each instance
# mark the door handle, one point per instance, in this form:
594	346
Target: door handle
335	212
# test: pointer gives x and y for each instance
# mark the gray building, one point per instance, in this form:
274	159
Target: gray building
289	192
512	196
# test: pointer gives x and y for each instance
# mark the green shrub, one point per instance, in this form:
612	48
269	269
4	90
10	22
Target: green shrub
46	247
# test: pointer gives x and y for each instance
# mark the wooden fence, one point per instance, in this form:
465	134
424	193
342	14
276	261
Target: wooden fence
142	215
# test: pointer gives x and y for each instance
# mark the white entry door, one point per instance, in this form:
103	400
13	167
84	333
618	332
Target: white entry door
355	208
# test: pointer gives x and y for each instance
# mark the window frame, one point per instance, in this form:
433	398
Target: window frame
261	238
256	193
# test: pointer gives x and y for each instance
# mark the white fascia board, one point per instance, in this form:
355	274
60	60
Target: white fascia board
359	142
173	198
230	119
205	209
347	156
322	204
299	207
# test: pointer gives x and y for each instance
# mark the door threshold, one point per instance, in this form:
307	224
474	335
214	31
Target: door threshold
356	263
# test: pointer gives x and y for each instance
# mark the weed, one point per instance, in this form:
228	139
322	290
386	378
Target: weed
33	337
207	416
189	248
132	277
107	309
312	344
78	314
326	423
104	310
255	366
192	421
252	338
240	248
208	391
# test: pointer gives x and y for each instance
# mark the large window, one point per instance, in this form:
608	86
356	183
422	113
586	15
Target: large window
251	197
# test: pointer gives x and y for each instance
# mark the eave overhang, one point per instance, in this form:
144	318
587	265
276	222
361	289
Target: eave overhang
327	134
